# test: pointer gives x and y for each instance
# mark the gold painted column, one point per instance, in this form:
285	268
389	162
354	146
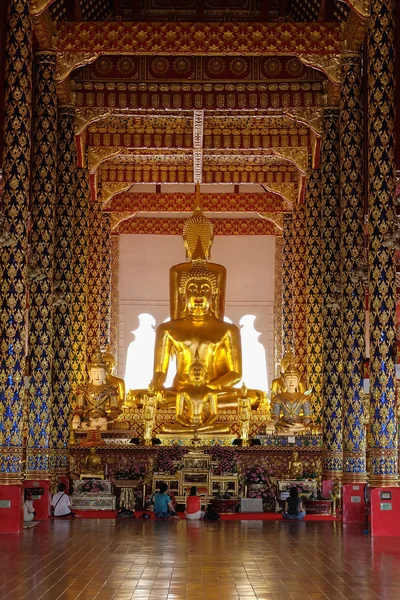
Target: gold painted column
79	285
114	320
41	267
63	282
105	291
95	228
299	288
313	291
15	202
383	468
278	306
287	284
353	254
331	297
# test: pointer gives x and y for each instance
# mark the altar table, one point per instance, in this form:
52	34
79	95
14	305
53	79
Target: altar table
224	506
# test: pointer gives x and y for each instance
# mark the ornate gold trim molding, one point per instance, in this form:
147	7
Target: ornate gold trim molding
86	116
119	217
361	7
98	155
307	116
288	191
67	62
37	7
108	190
297	156
277	220
328	64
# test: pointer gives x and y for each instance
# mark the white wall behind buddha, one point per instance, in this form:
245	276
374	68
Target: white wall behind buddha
145	261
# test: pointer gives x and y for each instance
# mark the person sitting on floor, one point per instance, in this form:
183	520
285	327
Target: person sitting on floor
29	511
61	504
163	507
294	508
193	505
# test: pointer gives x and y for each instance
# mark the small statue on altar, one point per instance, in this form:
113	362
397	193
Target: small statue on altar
96	402
244	409
149	414
92	465
278	384
291	409
111	379
295	466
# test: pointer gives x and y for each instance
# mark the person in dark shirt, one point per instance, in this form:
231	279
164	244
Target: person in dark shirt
294	508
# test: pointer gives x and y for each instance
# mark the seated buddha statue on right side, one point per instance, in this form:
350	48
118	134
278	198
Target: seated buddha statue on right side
290	407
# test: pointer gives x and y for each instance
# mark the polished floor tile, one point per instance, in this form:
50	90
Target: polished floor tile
161	560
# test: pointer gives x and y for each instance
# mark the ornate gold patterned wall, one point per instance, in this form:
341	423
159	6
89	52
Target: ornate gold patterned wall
114	320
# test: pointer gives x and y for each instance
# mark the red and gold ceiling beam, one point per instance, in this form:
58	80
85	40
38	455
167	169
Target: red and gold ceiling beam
149	226
181	202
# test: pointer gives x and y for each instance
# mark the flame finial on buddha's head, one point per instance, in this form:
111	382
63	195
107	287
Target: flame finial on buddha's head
198	232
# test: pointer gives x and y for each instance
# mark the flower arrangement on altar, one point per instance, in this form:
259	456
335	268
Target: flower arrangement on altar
227	460
91	486
168	459
258	475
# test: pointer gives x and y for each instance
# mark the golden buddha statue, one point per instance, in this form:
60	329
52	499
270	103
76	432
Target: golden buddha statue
92	465
290	408
112	379
207	349
278	384
208	356
96	401
295	466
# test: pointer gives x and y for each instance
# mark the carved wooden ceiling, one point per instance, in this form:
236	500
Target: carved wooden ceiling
229	94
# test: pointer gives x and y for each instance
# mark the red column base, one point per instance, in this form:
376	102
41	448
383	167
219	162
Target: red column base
385	508
11	508
41	504
353	503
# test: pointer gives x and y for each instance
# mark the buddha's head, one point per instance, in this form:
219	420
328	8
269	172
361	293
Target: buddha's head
291	378
97	369
198	287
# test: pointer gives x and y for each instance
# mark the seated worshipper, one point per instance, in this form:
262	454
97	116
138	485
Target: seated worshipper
29	511
61	504
193	505
163	507
294	509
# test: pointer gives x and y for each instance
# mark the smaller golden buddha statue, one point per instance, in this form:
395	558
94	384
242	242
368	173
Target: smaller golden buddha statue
111	379
96	402
93	465
244	413
290	408
149	414
295	466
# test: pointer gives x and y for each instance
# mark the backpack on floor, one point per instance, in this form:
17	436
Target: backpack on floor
212	515
125	513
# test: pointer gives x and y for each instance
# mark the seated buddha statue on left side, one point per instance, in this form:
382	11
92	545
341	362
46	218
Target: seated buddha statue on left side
97	402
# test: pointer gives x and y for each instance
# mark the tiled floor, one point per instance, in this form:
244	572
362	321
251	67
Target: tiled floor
126	559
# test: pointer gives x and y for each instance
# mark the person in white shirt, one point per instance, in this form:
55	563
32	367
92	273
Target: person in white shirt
29	511
61	504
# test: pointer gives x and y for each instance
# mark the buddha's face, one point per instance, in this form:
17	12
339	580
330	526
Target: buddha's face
198	296
291	383
97	375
